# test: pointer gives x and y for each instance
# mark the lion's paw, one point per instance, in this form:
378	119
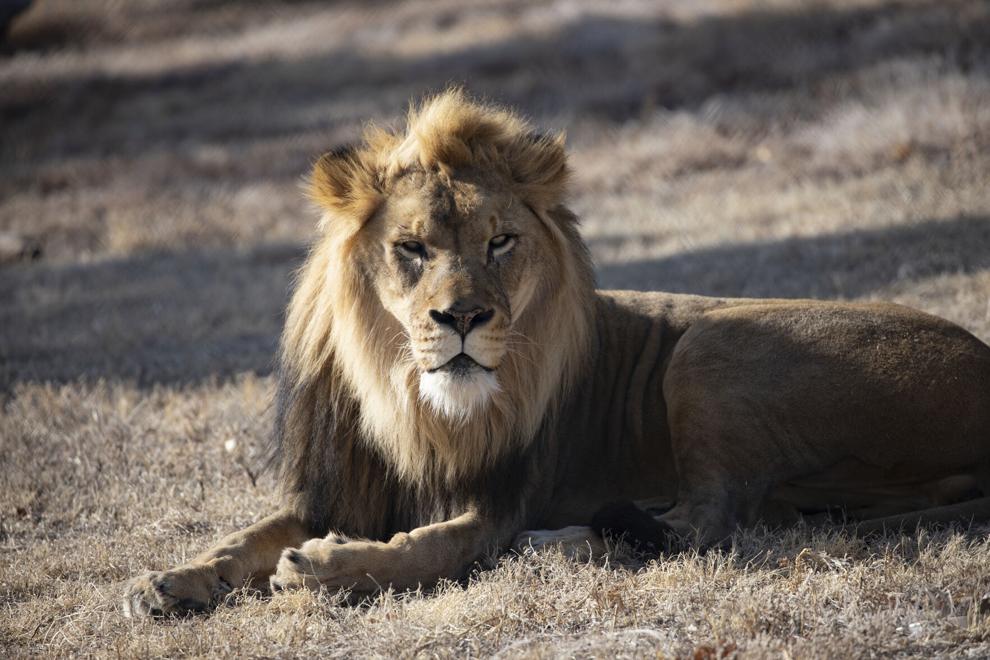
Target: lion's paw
295	570
182	590
332	562
576	542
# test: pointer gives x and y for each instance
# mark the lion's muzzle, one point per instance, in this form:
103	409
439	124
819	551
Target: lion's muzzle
462	318
460	378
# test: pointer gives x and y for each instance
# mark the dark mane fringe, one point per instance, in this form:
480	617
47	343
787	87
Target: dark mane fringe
336	481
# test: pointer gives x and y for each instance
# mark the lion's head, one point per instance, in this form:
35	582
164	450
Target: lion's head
449	289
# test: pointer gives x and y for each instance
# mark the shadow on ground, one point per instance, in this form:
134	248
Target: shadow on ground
164	317
841	265
185	317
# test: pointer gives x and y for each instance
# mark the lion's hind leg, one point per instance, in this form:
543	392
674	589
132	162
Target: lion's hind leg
977	510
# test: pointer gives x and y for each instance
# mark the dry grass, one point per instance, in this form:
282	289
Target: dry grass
153	151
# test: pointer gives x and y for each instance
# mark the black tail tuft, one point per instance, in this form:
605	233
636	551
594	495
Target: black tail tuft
637	527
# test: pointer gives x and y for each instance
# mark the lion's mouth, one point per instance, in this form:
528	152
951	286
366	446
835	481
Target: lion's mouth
460	365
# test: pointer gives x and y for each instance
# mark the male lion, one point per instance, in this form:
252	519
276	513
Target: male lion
449	377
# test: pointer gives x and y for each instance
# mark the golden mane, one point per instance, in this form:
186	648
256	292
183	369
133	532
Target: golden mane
446	132
345	370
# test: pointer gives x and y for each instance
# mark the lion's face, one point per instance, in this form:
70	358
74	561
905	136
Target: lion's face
450	288
457	263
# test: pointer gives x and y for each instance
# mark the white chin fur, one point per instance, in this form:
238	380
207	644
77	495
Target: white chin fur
457	396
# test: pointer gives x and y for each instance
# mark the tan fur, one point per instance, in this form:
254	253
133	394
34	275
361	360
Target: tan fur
735	411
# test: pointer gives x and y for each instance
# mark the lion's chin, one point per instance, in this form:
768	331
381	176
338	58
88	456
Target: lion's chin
457	395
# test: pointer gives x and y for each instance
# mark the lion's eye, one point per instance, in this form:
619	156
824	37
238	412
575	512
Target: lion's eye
501	244
411	249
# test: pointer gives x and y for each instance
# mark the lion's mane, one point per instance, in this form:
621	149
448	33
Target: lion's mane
356	449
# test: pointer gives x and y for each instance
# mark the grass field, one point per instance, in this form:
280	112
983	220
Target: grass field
152	152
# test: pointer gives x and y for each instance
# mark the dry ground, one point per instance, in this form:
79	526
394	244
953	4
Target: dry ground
151	152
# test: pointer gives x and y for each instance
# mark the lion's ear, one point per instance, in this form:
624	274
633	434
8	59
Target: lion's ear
538	163
346	185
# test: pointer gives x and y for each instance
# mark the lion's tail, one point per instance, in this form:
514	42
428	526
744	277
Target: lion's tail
626	521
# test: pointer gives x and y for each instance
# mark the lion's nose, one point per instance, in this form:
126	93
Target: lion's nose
463	319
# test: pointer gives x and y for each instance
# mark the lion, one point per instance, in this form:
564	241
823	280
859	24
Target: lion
449	378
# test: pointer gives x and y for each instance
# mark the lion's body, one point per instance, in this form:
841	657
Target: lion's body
741	406
449	377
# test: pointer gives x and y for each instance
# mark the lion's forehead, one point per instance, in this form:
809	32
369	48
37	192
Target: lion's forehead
425	202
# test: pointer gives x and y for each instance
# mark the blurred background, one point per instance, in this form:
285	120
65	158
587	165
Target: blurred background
152	153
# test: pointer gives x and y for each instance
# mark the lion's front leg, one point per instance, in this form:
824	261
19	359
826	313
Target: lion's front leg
199	585
419	558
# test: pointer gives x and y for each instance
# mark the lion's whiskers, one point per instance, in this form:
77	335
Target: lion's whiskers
515	352
515	335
